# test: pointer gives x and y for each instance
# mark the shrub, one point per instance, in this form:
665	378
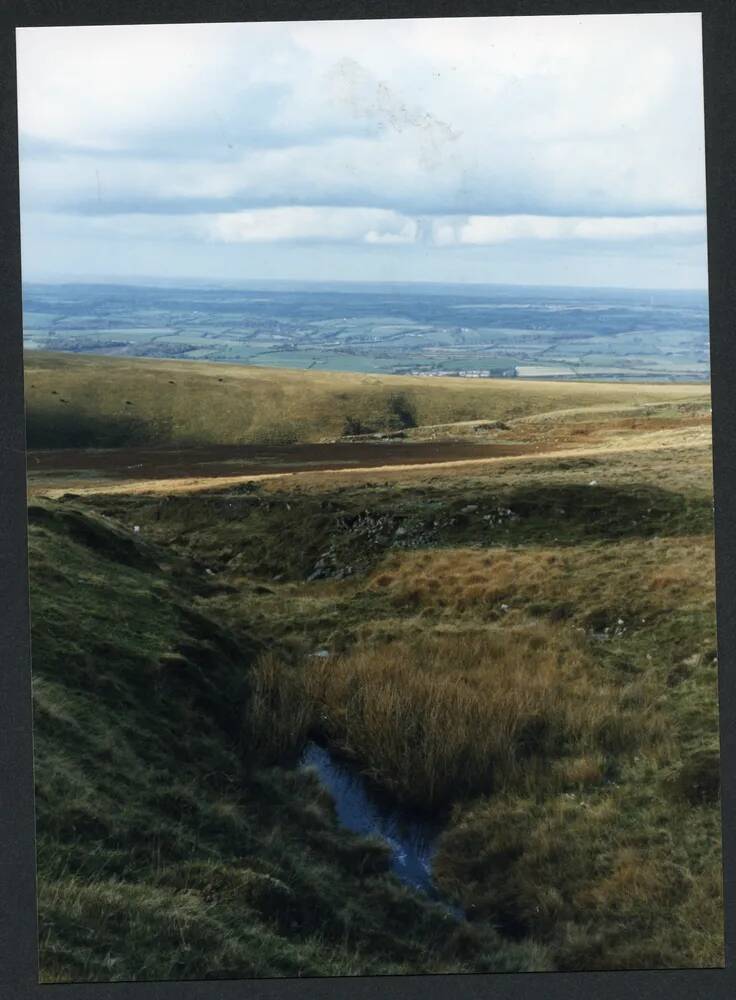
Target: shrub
401	412
353	425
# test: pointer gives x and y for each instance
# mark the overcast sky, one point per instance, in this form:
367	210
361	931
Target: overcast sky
546	150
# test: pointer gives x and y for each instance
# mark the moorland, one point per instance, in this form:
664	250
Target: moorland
492	600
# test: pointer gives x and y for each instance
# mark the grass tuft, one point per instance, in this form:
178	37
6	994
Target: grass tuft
446	717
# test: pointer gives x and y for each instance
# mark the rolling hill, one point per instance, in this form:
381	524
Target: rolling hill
77	401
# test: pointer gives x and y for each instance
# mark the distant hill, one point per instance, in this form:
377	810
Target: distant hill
78	401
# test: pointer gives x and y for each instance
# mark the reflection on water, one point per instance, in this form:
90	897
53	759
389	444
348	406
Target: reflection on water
362	809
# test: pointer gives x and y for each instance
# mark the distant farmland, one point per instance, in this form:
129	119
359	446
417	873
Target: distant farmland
484	331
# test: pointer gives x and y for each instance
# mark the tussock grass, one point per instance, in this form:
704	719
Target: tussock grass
602	891
627	579
277	716
445	717
165	849
582	764
577	759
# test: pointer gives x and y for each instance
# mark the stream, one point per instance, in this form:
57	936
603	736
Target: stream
365	810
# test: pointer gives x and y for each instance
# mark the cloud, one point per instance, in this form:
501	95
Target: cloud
380	227
312	224
388	134
486	230
560	115
151	247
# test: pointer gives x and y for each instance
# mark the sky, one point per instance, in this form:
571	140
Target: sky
529	150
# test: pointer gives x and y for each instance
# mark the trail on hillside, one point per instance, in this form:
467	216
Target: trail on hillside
658	440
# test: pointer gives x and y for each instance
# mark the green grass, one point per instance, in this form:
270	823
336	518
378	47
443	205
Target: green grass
586	812
532	655
345	531
166	849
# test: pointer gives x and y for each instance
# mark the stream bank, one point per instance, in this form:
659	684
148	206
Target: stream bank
363	809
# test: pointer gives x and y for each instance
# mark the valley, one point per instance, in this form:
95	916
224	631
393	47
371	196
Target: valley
506	629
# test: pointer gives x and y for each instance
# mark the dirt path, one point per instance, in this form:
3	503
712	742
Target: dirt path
685	438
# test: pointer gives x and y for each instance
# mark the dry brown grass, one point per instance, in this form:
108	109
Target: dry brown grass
641	576
191	401
687	467
630	449
277	716
585	771
442	717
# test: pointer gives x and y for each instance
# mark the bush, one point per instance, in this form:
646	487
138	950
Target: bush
401	412
353	426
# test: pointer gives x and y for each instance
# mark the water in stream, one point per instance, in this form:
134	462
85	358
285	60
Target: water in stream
360	808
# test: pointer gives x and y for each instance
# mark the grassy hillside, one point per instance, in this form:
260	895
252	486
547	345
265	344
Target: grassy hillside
540	656
524	647
86	401
166	847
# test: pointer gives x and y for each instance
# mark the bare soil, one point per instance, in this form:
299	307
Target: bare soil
250	459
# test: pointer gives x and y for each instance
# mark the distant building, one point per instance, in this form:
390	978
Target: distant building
543	371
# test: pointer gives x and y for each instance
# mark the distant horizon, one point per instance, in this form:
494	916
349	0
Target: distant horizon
159	281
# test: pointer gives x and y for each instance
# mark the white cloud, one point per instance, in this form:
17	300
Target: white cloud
320	224
380	227
486	230
495	130
473	114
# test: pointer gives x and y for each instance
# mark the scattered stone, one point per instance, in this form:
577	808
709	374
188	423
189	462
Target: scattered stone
493	425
